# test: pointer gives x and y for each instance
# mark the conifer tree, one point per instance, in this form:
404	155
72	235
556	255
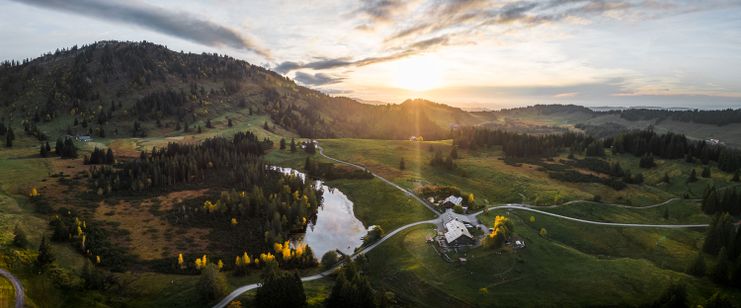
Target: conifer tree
19	237
45	256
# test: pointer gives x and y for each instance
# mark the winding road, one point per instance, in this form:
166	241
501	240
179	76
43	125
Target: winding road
523	207
20	296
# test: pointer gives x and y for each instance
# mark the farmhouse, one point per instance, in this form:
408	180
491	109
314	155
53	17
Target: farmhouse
451	201
456	233
84	138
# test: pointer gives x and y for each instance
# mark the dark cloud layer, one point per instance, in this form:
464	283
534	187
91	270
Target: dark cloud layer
318	79
177	24
324	64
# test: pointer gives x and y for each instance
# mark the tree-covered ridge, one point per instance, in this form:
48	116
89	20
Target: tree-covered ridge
105	85
641	143
674	146
519	145
712	117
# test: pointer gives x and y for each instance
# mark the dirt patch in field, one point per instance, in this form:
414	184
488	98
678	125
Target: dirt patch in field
125	148
149	236
168	201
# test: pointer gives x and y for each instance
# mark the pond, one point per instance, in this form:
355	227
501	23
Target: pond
336	227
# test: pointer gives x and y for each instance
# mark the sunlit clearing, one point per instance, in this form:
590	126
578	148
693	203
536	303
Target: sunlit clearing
418	73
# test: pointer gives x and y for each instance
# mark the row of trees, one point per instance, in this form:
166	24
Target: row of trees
100	157
724	200
674	146
723	240
217	161
519	145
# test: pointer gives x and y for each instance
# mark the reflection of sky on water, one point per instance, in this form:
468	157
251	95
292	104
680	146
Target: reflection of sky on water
336	226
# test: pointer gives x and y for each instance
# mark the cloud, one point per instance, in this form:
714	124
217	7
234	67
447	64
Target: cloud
323	64
318	79
465	15
381	10
178	24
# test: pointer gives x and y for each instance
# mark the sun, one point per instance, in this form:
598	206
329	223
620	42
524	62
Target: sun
420	73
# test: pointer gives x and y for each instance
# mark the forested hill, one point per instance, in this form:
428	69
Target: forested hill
711	117
111	85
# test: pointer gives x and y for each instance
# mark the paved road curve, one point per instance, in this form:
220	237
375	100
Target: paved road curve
236	293
20	296
524	207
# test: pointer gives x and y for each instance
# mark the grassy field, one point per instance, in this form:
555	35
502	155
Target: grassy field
480	172
7	293
547	272
377	203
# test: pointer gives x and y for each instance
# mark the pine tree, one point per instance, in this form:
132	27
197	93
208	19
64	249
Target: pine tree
282	143
45	256
109	159
19	237
9	137
229	123
666	178
293	145
402	165
208	123
454	153
705	172
722	268
697	268
280	289
736	176
693	176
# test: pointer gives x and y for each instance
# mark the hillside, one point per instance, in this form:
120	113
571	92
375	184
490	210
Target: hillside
107	86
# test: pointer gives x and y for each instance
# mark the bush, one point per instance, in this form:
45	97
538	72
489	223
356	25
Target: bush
329	259
375	233
212	284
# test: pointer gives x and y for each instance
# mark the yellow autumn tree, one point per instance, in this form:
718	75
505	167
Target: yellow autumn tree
34	192
267	257
471	198
199	264
501	230
286	254
181	261
97	259
234	221
234	304
219	265
246	259
300	249
278	247
204	260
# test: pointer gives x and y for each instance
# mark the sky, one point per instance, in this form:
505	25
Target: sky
467	53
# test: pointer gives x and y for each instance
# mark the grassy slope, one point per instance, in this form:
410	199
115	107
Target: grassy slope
546	273
633	265
479	172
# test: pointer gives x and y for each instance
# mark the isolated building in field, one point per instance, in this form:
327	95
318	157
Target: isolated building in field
457	234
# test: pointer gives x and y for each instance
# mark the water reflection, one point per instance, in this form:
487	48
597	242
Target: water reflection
336	226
